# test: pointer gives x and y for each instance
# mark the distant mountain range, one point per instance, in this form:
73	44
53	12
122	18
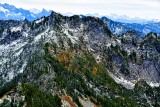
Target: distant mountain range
8	12
120	25
119	28
127	19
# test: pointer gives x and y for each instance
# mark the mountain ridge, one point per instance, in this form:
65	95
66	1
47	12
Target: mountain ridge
71	58
8	12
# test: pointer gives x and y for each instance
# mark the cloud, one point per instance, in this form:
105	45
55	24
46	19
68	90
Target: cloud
132	8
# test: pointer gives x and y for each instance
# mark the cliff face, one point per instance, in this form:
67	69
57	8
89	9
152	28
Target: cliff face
79	61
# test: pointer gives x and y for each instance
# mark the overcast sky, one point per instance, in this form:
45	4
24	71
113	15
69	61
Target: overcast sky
133	8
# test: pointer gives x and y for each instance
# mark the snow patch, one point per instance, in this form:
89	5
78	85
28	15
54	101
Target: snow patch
72	38
1	101
119	42
10	75
39	21
113	43
97	58
23	67
19	52
12	14
118	30
15	29
108	44
25	34
128	84
3	9
86	103
153	84
34	11
38	37
122	81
